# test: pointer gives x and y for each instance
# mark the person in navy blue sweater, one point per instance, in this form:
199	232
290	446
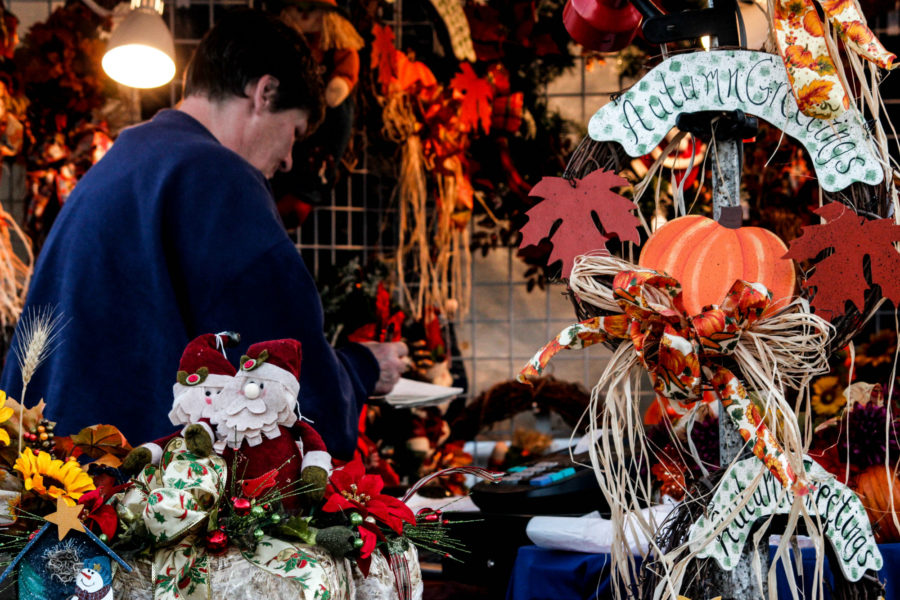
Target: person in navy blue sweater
174	233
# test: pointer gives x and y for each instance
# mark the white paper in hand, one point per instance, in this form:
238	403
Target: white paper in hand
417	393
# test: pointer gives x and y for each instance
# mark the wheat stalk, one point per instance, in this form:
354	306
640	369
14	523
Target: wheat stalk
38	332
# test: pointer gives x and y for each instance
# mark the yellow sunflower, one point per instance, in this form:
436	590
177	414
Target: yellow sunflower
828	396
53	478
5	413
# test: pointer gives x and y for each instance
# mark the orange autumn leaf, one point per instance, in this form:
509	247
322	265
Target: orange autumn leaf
835	7
814	93
477	97
857	32
384	55
799	57
813	25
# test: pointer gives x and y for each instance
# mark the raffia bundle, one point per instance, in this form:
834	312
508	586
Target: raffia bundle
782	349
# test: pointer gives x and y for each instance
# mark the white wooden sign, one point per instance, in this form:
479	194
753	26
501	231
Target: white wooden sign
727	80
844	519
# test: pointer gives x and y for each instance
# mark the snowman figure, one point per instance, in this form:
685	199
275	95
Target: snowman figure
94	581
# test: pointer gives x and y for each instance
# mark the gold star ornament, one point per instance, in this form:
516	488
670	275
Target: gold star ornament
66	518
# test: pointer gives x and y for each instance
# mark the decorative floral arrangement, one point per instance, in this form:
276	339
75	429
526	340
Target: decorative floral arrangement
355	519
195	511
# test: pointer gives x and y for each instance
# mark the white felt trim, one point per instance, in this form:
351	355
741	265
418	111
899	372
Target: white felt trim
155	452
317	458
206	426
271	372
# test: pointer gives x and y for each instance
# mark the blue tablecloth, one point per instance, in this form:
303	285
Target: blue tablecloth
541	574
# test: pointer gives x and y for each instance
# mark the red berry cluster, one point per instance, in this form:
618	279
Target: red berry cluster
40	437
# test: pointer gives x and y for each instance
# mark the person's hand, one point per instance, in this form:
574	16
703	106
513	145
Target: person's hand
392	363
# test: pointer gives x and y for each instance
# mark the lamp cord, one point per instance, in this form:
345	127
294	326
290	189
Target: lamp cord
97	9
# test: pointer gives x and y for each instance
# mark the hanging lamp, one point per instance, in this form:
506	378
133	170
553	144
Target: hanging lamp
141	52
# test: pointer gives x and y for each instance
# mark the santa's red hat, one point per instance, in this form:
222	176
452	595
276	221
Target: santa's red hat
277	360
204	362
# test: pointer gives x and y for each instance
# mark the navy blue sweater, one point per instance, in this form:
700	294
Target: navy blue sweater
172	235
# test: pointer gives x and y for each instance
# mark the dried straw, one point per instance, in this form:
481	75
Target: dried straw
785	348
37	334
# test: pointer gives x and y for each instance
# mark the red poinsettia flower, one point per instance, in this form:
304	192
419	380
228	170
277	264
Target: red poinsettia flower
370	534
99	517
351	489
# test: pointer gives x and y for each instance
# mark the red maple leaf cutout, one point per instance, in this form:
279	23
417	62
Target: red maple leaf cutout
576	205
839	277
384	55
478	96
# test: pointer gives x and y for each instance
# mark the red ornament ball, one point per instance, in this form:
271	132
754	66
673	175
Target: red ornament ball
216	541
241	505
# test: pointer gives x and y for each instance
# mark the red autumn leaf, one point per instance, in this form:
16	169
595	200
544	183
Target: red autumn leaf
384	54
576	206
478	97
839	277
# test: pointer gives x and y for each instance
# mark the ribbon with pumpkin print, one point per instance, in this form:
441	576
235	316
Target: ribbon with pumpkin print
800	36
679	351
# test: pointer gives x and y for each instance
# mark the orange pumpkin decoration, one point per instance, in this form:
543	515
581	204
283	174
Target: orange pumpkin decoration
872	489
708	258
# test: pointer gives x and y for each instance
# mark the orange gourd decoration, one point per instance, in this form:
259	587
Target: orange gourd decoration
708	258
872	489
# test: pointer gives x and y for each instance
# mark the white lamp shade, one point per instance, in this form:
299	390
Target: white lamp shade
140	51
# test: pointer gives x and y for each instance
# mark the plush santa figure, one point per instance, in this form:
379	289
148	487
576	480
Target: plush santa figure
257	419
203	372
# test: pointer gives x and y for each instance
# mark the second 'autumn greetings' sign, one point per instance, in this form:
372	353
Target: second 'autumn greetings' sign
843	518
726	80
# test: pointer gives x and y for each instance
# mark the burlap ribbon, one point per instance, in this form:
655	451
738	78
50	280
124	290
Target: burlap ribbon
174	501
680	351
800	36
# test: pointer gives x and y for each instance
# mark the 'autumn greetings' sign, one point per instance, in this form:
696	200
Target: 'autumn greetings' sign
726	80
844	520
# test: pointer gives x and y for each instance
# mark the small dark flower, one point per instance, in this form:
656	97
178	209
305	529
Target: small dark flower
865	436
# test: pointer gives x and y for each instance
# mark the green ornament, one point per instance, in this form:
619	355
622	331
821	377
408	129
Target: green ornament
258	533
358	543
356	519
103	538
257	511
276	518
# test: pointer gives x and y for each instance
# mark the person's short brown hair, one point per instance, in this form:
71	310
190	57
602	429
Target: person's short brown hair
243	46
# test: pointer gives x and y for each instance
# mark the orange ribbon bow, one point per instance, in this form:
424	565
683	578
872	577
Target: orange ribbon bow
680	351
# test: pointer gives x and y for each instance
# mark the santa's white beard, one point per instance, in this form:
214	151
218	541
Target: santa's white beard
191	406
251	420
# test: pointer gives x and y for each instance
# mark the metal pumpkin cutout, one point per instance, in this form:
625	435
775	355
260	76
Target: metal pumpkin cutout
707	258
